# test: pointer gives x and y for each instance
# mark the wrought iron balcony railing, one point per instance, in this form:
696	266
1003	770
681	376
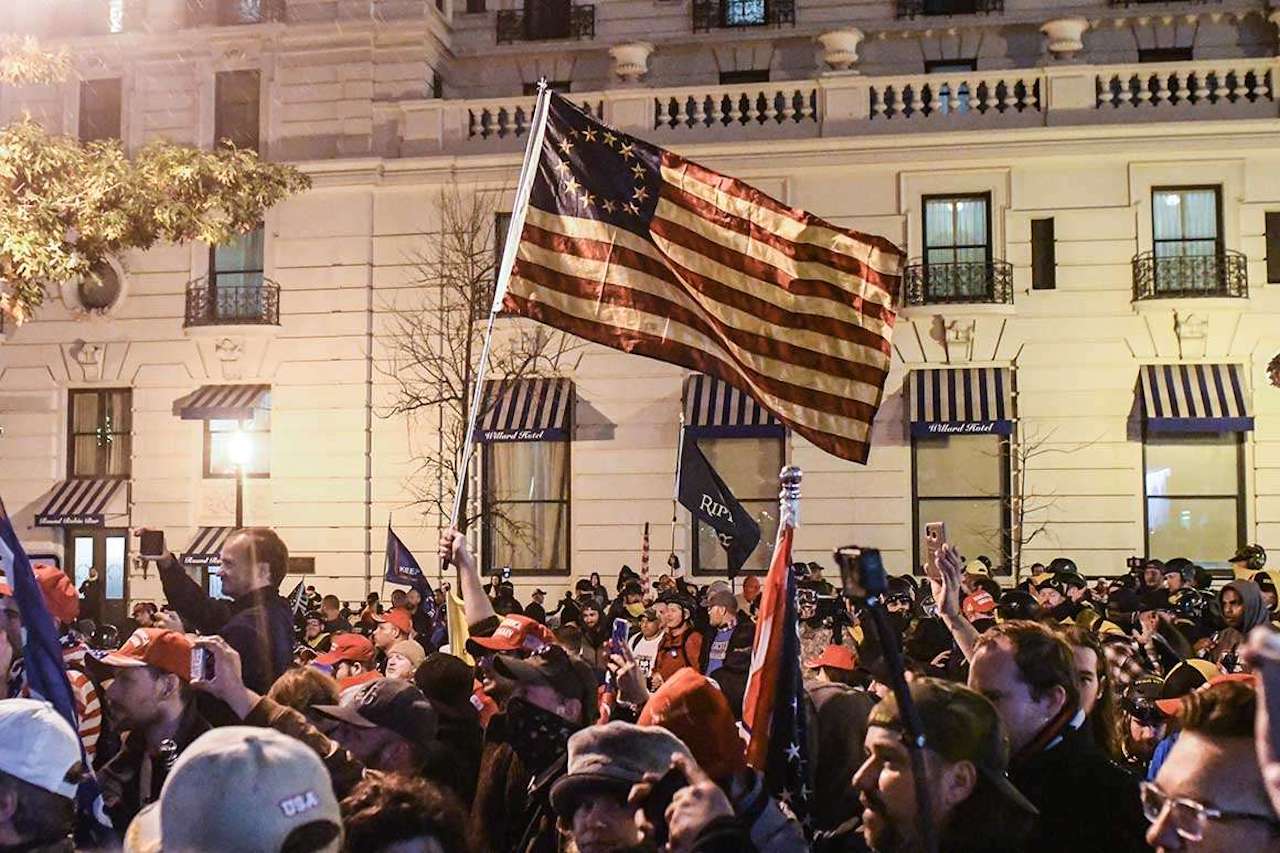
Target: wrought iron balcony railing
726	14
980	282
212	304
912	8
225	13
1224	273
518	25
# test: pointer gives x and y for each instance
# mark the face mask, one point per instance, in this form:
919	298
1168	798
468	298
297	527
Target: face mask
538	736
635	609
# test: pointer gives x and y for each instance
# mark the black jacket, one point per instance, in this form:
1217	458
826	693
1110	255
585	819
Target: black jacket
121	777
1086	802
259	625
743	636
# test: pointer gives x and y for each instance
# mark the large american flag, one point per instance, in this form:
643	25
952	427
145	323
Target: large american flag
773	709
631	246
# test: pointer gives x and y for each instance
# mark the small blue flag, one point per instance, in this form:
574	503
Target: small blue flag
403	569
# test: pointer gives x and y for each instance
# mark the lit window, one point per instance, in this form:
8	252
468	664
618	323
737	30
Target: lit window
962	481
1194	495
526	506
228	443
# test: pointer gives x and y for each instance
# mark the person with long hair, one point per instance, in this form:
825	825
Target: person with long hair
1097	688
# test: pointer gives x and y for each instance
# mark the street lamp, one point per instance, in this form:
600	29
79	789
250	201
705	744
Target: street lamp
241	452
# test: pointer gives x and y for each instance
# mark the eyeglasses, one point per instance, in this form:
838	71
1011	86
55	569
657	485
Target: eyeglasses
1188	817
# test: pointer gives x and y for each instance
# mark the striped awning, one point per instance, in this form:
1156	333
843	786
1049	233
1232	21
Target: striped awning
1194	398
221	402
206	548
85	503
716	409
527	410
961	401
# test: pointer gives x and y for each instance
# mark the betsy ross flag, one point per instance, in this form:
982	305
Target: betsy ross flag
773	710
633	247
297	600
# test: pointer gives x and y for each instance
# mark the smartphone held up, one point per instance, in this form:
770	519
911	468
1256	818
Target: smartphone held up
935	536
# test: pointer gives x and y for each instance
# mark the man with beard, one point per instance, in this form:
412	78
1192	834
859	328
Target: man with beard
149	698
972	804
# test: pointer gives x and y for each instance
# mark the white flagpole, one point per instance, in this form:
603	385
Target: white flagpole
528	171
675	491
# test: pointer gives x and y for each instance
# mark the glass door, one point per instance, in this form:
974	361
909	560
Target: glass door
107	551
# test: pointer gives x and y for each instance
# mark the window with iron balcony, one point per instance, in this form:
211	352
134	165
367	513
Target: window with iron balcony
235	292
1188	258
958	266
225	13
727	14
546	20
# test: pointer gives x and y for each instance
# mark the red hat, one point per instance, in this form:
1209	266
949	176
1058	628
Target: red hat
836	657
59	594
979	603
514	634
1171	707
165	650
347	648
6	591
399	617
694	709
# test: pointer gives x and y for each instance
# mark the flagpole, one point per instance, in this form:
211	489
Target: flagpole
675	491
524	189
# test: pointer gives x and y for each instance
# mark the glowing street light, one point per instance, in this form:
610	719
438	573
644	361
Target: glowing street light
240	450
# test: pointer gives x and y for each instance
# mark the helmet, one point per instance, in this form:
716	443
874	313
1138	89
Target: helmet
1058	565
1253	556
1017	604
1189	604
1182	566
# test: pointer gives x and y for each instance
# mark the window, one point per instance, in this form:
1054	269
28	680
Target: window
437	85
235	278
733	78
107	550
957	247
475	6
1186	223
1044	263
547	19
744	13
559	86
1194	494
99	435
951	66
229	441
1273	247
749	467
235	115
963	481
100	102
526	506
1165	54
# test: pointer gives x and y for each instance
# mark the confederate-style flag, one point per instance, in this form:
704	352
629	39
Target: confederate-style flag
633	247
773	710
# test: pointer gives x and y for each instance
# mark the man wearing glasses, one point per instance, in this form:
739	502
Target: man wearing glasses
1209	794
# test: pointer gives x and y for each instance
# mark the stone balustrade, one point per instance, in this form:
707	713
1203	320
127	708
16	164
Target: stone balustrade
832	106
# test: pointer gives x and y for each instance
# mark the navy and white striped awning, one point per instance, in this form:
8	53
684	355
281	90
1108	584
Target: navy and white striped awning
206	548
85	503
1194	398
961	401
221	402
527	410
716	409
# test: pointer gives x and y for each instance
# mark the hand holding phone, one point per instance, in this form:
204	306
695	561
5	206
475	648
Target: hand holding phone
151	544
660	796
935	536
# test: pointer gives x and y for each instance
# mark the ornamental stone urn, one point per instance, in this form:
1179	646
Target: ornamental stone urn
631	60
840	47
1066	36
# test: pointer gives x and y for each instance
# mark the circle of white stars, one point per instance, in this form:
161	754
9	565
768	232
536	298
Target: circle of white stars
574	190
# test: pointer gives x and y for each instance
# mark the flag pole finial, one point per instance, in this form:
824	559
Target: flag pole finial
789	494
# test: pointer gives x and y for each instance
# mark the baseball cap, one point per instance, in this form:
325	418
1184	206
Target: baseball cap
399	617
6	591
614	756
723	598
539	591
977	567
49	757
166	650
348	647
979	603
514	633
59	593
650	613
392	704
1186	677
410	650
960	725
251	788
837	657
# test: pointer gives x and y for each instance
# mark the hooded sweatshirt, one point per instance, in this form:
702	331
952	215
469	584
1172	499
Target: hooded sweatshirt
1255	614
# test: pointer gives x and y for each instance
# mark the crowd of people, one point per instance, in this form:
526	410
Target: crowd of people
1116	713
